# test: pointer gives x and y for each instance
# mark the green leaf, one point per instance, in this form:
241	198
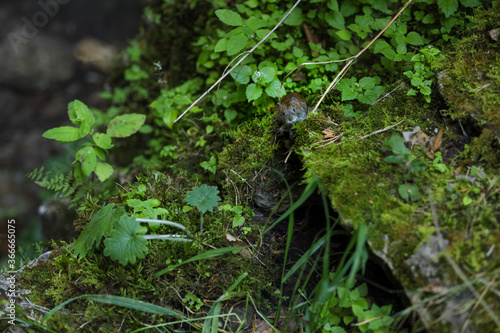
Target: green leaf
99	226
448	7
397	145
125	125
348	8
274	89
103	170
344	34
230	115
409	192
80	114
381	46
470	3
295	17
335	20
236	43
266	75
169	117
102	140
255	23
221	45
242	74
124	243
88	158
392	159
202	256
466	200
367	82
204	198
333	5
63	134
253	92
229	17
238	220
414	38
210	165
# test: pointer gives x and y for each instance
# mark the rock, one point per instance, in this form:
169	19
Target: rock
36	63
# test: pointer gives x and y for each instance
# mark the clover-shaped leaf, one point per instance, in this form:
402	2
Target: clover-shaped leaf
124	243
204	197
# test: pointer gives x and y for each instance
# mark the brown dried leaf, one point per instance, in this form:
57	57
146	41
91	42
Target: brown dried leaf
437	141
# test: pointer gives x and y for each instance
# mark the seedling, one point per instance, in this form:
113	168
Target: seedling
204	198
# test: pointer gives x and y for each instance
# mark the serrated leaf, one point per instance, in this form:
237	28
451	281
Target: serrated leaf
255	23
124	243
103	170
236	43
242	74
414	38
169	117
335	19
367	82
102	140
448	7
79	113
204	198
253	92
99	226
238	220
88	158
267	75
344	34
295	17
381	46
348	93
221	45
274	89
63	134
125	125
229	17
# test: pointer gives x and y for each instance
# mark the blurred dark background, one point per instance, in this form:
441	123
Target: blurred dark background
51	52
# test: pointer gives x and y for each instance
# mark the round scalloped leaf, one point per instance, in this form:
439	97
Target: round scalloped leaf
124	243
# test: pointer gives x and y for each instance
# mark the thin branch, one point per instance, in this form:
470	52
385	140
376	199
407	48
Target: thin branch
352	59
381	130
240	61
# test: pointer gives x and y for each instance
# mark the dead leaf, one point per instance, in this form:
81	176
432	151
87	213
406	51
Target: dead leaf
437	141
494	34
328	134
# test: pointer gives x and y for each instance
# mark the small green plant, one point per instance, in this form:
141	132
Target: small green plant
238	219
125	240
402	155
366	91
422	75
349	307
204	198
193	302
210	165
91	158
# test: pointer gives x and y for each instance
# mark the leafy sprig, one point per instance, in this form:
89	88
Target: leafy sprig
91	157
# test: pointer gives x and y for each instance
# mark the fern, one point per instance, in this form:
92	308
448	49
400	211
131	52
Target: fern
64	185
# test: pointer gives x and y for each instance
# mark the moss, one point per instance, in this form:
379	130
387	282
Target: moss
469	80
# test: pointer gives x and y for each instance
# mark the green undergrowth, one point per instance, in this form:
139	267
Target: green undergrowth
351	151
